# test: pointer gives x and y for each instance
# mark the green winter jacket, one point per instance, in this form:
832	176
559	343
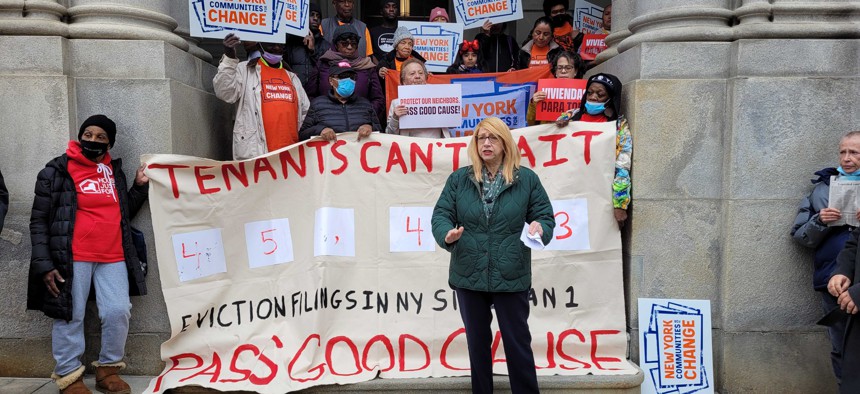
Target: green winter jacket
489	256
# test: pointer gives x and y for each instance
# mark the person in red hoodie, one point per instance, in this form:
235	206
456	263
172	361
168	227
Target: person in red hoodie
81	238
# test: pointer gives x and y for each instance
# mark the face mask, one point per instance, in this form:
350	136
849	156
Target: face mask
559	20
272	58
93	149
345	87
594	108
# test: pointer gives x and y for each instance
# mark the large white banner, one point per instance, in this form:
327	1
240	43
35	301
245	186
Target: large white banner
316	265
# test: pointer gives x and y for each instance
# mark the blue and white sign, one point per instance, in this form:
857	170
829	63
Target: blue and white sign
436	42
473	13
259	20
675	348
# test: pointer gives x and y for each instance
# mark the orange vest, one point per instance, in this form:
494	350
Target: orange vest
280	106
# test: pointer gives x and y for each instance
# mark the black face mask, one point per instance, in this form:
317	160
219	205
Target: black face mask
92	149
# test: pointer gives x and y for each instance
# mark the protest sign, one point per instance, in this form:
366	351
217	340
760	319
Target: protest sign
844	195
587	17
675	347
510	106
431	106
473	13
592	44
260	20
562	94
436	42
315	264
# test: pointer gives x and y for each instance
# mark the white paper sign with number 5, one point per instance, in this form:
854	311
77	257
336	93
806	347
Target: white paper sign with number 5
571	225
269	242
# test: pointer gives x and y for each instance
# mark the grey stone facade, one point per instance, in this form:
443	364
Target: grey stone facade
733	105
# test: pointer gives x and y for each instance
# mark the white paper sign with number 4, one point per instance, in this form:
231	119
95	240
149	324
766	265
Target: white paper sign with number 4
409	229
571	225
199	254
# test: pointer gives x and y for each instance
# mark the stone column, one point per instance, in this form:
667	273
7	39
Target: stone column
673	21
32	18
124	20
794	19
179	10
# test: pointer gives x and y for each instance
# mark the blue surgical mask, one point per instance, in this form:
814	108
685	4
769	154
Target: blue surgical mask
594	108
849	176
345	87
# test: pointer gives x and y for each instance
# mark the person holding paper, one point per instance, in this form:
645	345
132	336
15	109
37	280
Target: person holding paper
541	48
412	72
813	228
272	100
341	110
479	220
602	103
81	238
564	65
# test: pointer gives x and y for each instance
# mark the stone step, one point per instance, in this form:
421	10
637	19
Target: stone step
619	384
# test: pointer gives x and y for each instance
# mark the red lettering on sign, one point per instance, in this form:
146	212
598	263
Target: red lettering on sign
364	166
318	145
201	177
422	345
300	168
339	156
588	136
240	174
526	150
564	225
388	346
553	138
263	165
170	168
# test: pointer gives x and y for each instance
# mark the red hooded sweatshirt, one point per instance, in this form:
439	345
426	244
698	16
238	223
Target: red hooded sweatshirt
97	237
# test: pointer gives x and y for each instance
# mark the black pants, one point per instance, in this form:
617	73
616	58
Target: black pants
512	310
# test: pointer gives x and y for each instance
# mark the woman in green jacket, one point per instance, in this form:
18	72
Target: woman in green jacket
479	218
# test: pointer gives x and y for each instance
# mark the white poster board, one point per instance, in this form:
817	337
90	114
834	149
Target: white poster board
431	106
259	20
675	346
473	13
436	42
587	17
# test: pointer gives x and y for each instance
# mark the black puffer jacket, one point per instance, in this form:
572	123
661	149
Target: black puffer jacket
328	111
303	61
52	223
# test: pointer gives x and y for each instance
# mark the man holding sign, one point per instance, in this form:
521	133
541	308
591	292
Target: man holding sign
272	101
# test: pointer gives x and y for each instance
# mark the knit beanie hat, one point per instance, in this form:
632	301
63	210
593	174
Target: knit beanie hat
315	7
342	32
439	11
548	4
401	34
101	121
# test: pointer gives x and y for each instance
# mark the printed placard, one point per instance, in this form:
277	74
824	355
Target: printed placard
592	44
269	242
473	13
261	20
675	347
334	232
562	94
587	17
571	225
199	254
409	229
430	106
510	106
436	42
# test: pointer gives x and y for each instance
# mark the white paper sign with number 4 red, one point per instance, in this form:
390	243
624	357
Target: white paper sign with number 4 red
571	225
269	242
199	254
409	229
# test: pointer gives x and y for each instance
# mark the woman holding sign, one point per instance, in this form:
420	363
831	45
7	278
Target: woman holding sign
563	65
602	103
81	239
482	212
412	72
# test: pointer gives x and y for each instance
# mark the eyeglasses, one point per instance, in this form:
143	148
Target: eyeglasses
564	68
492	138
348	43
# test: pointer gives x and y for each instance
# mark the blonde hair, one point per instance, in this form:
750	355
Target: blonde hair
510	151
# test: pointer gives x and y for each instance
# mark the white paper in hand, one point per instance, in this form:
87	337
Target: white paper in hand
532	241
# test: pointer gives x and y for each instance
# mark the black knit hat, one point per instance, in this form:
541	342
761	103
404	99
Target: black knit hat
315	7
613	87
101	121
343	32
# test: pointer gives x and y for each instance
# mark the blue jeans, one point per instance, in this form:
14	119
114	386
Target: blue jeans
67	337
836	332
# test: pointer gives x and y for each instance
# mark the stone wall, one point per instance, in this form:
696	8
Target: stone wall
732	110
63	63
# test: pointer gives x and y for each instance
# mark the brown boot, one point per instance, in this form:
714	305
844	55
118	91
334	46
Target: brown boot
72	383
108	380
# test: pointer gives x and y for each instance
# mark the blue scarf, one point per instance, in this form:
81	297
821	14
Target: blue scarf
854	176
